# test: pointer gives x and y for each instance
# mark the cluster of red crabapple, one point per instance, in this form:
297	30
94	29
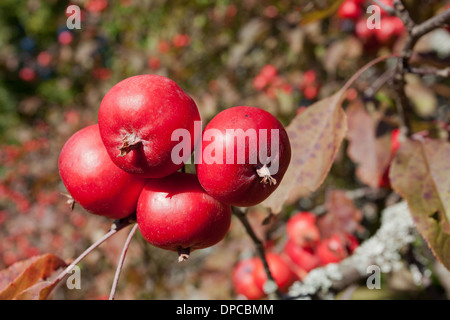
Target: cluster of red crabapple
270	82
304	250
124	164
390	29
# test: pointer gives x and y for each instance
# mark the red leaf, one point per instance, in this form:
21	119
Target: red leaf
342	216
371	153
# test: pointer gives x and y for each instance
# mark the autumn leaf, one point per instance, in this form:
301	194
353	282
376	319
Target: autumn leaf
369	152
22	275
342	216
38	291
321	14
420	173
316	135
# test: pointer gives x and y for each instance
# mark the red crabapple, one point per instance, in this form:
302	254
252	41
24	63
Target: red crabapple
137	118
243	279
302	257
93	180
336	248
302	229
279	269
175	213
245	153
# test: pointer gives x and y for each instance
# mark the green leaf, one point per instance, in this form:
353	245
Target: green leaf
321	14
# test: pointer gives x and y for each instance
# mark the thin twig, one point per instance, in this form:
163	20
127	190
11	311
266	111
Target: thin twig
389	10
443	73
116	227
401	12
431	24
415	32
378	83
121	260
259	246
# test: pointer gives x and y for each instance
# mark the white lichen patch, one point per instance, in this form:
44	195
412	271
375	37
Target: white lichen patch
382	249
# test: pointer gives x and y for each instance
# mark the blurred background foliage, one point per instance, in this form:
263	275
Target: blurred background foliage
53	79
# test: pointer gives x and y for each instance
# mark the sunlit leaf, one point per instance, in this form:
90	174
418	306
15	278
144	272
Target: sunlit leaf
369	152
420	173
22	275
315	135
38	291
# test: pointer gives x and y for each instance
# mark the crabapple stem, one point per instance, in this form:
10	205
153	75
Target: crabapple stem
116	227
121	260
129	142
183	254
258	244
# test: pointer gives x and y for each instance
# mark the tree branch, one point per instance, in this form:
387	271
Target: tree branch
382	250
270	285
443	73
415	32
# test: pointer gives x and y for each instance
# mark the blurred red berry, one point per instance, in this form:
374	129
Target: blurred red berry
230	11
9	258
386	32
301	228
310	92
280	270
27	74
336	248
303	258
243	279
362	31
260	82
32	251
309	77
287	88
44	58
395	141
349	10
3	216
102	73
65	37
96	6
72	117
154	63
351	94
270	11
181	40
269	72
163	46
